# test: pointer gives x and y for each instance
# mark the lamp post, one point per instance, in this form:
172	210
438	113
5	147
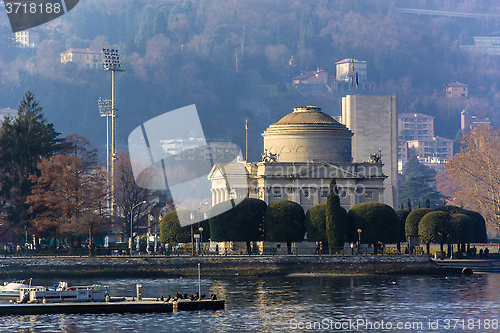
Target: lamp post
111	62
192	235
131	225
359	239
205	217
201	239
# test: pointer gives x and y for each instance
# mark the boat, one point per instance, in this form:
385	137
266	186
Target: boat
12	290
62	292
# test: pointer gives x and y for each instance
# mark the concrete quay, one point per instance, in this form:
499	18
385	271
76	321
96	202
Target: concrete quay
214	266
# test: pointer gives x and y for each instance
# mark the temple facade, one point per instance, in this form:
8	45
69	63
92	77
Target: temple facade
302	152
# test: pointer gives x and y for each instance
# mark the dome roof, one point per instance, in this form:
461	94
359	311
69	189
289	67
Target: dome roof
306	115
308	134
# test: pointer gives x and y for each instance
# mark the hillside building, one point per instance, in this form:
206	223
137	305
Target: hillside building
457	89
344	70
484	45
312	81
28	38
431	147
467	121
84	58
412	126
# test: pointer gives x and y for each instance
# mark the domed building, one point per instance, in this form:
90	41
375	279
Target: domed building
308	135
302	152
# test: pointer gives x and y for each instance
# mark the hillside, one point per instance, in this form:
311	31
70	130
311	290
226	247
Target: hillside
228	56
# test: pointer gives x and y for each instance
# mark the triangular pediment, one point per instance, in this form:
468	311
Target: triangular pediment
215	173
224	170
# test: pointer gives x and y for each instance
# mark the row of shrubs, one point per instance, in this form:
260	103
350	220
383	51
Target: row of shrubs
444	225
285	221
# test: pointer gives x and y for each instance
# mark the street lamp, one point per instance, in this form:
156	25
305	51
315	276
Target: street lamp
359	239
192	235
201	238
131	220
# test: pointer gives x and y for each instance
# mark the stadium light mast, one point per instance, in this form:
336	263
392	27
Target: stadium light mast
111	62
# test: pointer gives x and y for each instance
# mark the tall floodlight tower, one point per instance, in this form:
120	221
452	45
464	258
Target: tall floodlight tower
105	111
111	62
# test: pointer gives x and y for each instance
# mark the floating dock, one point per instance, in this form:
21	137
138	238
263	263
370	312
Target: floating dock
141	306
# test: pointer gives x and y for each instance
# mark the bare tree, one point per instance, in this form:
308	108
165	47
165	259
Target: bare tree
128	194
474	174
68	195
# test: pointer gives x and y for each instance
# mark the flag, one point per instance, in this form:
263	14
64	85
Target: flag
246	125
352	71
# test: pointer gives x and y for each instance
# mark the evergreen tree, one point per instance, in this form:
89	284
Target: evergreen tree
413	168
284	221
413	219
408	203
402	215
24	140
316	224
160	25
437	227
336	218
377	221
241	223
171	231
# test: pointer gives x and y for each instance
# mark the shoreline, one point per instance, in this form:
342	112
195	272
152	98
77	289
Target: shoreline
218	266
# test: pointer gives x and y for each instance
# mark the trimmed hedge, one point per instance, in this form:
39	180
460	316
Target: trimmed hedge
464	226
241	223
402	214
480	233
171	231
413	219
284	221
316	224
378	222
437	227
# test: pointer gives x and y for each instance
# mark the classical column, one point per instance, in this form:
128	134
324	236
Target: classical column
214	197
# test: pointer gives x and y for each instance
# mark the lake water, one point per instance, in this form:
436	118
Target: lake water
297	304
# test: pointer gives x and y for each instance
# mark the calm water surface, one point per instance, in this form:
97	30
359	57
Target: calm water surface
297	304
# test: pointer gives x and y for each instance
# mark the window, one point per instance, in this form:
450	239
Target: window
306	194
369	194
324	193
277	192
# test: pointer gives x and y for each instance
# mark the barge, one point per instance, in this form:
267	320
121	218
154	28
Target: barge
137	306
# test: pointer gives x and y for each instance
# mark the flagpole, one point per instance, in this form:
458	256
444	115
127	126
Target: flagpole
352	75
246	141
357	83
